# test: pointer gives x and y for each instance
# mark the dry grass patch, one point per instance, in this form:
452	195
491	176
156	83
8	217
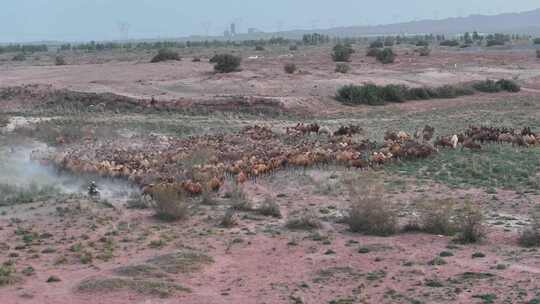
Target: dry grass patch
170	204
184	261
530	237
144	287
303	220
370	212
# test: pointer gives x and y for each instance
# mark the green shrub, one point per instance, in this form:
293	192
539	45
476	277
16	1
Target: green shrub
425	51
450	43
423	43
19	57
487	86
373	52
509	85
59	60
536	40
342	52
366	94
165	55
290	68
394	93
342	68
389	41
419	94
7	275
226	63
293	48
376	44
259	48
386	56
494	42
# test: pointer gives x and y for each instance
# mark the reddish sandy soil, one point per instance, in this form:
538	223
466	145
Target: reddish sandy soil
259	260
311	88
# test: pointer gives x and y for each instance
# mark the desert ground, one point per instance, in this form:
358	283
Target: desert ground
268	210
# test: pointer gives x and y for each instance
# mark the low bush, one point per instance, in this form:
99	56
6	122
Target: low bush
59	60
435	217
370	212
7	275
169	203
165	55
469	224
365	94
423	43
269	207
491	86
530	237
290	68
372	94
450	43
303	220
536	40
538	54
425	51
259	48
373	52
377	44
509	85
342	52
136	201
293	48
226	63
487	86
19	57
386	56
494	42
342	68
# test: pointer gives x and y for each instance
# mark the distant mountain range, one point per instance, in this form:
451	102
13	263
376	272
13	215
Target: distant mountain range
521	23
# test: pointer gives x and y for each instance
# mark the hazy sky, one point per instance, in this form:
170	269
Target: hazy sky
31	20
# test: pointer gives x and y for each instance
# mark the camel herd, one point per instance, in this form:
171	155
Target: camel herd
256	151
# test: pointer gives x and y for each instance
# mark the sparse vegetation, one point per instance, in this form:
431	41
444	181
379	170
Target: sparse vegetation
165	55
435	217
13	195
7	275
370	212
450	43
269	207
342	68
303	220
169	203
290	68
469	223
386	56
377	44
60	60
530	236
226	63
372	94
19	57
342	52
